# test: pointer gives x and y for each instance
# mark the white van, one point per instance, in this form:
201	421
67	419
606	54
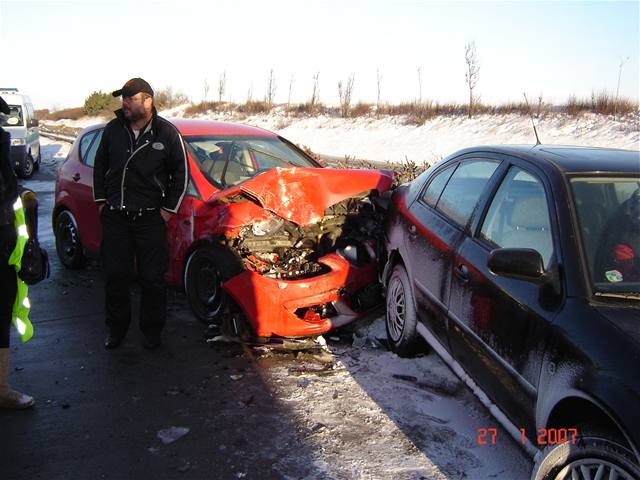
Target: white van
22	125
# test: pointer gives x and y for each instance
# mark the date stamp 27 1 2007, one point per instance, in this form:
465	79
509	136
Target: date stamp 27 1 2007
544	436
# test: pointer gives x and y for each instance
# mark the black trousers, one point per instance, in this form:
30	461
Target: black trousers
138	242
8	282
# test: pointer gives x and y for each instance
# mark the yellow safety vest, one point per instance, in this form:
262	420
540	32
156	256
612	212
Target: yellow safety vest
21	306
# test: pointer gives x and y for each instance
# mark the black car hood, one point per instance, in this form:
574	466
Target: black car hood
625	318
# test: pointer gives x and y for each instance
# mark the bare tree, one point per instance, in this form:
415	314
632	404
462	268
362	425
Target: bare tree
290	88
222	85
615	105
345	91
271	89
315	94
206	90
471	75
419	85
379	80
250	93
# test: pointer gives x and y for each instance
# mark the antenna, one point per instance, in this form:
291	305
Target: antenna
538	142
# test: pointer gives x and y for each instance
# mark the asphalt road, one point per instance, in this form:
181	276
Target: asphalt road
247	415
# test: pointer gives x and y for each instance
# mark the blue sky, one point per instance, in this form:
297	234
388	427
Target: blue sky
70	49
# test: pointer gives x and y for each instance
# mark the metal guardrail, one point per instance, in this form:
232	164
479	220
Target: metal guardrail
57	136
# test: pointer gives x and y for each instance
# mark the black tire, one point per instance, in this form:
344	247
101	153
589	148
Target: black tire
206	269
68	245
582	459
401	316
27	166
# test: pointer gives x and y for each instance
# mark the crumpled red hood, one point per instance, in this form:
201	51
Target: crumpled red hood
301	195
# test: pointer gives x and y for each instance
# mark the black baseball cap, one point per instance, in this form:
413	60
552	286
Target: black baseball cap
133	86
4	108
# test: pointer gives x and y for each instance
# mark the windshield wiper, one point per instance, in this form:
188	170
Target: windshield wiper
275	157
624	295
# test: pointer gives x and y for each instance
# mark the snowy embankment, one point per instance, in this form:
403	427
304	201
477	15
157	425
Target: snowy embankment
390	138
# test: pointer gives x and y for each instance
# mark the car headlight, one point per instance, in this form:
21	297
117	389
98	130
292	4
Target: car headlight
17	141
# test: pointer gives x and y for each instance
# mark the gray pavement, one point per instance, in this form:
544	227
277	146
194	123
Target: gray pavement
98	412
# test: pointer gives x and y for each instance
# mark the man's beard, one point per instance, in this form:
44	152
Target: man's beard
133	115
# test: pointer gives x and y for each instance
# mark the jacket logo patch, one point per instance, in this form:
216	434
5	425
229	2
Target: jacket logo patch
157	146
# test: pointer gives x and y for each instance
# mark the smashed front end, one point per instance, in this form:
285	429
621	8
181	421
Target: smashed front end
311	262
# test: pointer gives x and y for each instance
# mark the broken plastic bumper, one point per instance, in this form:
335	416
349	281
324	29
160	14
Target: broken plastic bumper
285	307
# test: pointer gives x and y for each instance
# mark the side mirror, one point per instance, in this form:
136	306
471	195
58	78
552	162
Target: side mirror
520	263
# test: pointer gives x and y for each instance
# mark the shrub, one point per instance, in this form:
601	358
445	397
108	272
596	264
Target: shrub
251	107
97	103
204	107
167	98
361	109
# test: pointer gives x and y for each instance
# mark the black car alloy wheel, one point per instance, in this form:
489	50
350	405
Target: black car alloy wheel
590	457
401	318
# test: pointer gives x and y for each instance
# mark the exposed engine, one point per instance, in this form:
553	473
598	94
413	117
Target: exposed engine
278	248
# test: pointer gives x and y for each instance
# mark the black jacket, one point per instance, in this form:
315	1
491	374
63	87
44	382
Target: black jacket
150	172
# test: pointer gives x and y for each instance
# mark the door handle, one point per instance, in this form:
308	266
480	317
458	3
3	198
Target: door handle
76	177
462	272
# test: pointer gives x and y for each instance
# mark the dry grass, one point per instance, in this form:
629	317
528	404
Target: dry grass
205	107
308	109
360	109
601	102
253	107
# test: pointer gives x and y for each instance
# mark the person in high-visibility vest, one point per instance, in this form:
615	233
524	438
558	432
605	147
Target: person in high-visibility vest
14	303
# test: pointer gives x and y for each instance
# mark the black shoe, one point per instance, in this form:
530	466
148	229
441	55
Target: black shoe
151	342
113	341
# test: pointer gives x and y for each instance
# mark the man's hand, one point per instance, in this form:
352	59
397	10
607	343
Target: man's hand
100	207
165	215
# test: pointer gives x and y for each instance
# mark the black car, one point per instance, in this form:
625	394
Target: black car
520	267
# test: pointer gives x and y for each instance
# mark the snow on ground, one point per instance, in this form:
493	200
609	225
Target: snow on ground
370	414
389	138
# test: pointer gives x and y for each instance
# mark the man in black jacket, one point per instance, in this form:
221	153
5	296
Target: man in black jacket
139	179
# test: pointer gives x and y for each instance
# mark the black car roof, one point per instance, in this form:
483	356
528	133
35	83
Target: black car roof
569	159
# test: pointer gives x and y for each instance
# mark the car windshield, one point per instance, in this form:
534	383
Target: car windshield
13	119
609	217
228	160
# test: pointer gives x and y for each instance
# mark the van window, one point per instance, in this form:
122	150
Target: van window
31	116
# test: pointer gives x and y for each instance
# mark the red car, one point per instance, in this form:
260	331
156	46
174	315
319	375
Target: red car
263	227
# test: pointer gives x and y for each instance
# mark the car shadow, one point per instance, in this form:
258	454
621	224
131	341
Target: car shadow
100	414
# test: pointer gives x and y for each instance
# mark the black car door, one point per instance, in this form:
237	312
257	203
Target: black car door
497	324
440	215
